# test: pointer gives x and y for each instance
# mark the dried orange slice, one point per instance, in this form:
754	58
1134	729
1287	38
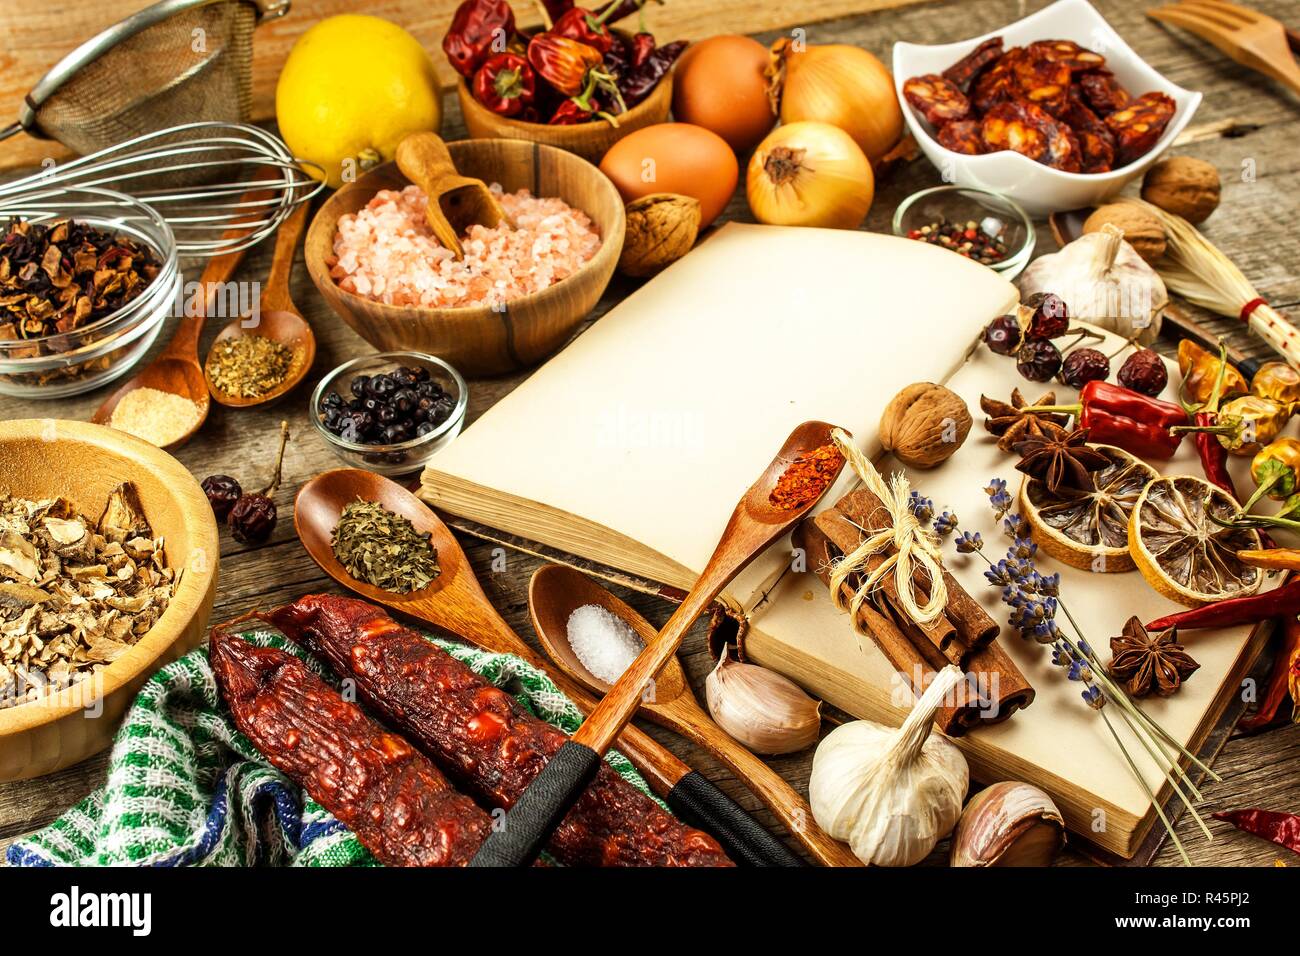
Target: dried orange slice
1089	529
1182	553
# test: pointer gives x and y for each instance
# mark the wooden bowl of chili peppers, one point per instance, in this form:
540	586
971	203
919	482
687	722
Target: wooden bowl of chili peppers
578	84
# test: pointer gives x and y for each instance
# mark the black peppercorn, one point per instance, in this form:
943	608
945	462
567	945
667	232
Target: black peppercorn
390	408
1038	361
1083	366
222	491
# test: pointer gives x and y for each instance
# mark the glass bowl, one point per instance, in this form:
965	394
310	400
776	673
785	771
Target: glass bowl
69	363
995	215
403	457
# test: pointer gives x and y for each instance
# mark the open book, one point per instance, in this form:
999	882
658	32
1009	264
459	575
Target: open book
633	445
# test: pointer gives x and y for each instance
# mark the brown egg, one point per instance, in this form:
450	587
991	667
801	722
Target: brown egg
719	84
674	158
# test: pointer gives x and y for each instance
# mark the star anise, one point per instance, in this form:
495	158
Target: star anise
1147	663
1061	459
1018	421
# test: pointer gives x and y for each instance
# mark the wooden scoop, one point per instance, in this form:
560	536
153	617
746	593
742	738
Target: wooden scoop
555	592
455	603
456	202
755	524
278	318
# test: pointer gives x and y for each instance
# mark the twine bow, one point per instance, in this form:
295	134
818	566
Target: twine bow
910	541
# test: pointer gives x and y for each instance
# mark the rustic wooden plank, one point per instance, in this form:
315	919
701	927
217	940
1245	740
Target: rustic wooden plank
33	37
1253	227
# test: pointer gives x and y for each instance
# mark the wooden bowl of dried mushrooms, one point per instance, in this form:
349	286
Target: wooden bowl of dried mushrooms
108	570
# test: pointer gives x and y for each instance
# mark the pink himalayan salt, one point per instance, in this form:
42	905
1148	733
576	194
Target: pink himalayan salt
386	251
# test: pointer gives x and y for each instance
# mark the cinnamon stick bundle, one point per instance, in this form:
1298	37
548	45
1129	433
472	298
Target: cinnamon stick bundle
964	634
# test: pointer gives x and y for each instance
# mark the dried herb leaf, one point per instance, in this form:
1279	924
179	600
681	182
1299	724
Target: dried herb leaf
383	549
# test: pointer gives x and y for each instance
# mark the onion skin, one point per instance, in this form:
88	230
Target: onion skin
999	816
838	84
809	174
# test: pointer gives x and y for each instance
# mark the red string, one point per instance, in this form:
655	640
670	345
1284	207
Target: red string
1249	308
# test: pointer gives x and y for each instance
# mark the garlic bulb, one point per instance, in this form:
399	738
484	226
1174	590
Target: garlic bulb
891	794
1103	281
768	713
1008	824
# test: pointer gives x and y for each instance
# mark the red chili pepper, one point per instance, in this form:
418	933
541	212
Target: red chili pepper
1282	828
585	27
1288	657
475	27
1119	416
643	44
1283	601
1119	400
636	84
581	109
562	62
505	84
1214	457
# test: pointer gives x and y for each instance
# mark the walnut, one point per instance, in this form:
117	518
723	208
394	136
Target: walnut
661	228
1143	231
924	424
1183	186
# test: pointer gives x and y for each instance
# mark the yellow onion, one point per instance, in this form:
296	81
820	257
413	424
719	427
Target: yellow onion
838	84
809	174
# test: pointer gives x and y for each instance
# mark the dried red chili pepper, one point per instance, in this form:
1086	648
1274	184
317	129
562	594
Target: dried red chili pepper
581	109
1119	416
562	62
806	478
1285	665
636	84
475	27
585	27
1212	452
505	84
1281	828
1283	601
643	44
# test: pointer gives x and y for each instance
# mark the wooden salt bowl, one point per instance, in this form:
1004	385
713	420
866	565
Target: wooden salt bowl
589	140
481	341
41	458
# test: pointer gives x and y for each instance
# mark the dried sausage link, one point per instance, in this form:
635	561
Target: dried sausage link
1103	92
961	136
391	796
1042	80
998	83
961	73
1068	52
1096	141
938	100
483	738
1031	131
1139	126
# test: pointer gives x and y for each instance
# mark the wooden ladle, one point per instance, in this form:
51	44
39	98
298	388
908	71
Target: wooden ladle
176	369
555	592
755	524
455	603
278	318
456	202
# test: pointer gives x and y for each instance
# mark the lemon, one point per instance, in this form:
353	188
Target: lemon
351	88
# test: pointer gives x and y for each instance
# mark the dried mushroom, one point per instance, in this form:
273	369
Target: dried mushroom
74	594
661	228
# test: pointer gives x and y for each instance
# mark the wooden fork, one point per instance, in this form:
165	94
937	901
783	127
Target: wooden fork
1251	38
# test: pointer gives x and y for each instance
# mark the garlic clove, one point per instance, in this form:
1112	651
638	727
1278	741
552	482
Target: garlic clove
765	711
1008	824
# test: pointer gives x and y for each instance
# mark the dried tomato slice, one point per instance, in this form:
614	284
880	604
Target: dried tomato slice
962	136
1102	92
937	99
1096	141
1068	52
974	63
1139	126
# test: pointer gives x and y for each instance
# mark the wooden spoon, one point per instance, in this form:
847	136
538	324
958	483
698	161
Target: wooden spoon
755	524
555	592
456	202
1067	225
176	369
455	603
278	318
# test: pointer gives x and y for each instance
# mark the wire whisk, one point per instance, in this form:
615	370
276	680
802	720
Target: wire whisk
194	175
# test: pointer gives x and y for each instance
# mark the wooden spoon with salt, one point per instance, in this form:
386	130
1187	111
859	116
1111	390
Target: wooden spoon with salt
456	202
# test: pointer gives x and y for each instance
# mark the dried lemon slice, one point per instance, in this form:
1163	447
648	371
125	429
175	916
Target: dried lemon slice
1089	529
1181	552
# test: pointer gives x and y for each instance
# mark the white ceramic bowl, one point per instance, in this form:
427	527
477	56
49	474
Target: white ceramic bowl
1038	188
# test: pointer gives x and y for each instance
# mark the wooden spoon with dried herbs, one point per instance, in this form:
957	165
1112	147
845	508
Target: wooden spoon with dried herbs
257	359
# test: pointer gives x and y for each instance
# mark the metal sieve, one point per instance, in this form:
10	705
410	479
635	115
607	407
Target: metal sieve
172	63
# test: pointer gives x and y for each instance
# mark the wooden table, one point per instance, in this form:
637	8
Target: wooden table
1246	126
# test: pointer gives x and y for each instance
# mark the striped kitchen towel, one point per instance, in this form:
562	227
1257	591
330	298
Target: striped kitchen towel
185	788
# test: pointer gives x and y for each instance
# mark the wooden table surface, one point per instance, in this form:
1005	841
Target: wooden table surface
1246	126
